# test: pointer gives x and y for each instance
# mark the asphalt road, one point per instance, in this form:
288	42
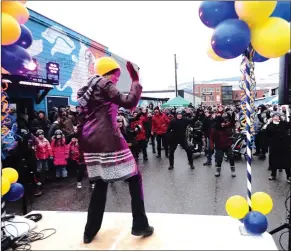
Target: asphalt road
179	191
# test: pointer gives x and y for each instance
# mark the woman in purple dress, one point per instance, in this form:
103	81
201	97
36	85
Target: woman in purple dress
106	152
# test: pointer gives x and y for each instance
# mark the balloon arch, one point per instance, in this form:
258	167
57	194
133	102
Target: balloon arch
257	31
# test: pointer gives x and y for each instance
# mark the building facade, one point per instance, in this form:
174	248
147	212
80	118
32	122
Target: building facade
74	54
210	94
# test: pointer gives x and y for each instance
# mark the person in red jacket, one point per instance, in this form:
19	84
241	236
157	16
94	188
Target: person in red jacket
58	145
76	157
220	138
160	123
137	125
43	152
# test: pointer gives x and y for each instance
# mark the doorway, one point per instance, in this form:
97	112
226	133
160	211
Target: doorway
56	102
23	106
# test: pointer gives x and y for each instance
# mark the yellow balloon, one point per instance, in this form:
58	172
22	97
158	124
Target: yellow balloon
272	38
237	207
254	12
5	185
212	54
262	203
10	30
17	10
11	174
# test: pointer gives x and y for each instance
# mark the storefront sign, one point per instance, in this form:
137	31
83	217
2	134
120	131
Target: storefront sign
206	93
52	68
32	80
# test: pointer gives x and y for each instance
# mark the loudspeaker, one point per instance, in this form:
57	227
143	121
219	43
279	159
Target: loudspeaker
285	80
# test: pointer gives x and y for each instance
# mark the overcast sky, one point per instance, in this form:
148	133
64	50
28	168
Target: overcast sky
149	33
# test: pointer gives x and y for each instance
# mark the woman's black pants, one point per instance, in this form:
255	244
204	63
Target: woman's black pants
98	202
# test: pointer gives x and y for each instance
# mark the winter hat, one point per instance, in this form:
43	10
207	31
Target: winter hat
276	114
58	132
39	132
71	136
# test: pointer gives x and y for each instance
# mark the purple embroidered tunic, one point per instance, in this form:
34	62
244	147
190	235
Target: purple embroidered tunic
106	152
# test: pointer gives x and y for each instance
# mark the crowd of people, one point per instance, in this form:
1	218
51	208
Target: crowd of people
52	142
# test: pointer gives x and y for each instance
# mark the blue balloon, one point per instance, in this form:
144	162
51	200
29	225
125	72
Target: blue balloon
255	223
212	13
15	193
14	59
258	58
283	10
231	38
25	39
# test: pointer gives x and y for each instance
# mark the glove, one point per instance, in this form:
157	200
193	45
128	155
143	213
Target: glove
132	72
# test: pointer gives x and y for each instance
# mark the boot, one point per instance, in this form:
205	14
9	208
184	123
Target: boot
192	166
145	233
232	168
217	173
171	167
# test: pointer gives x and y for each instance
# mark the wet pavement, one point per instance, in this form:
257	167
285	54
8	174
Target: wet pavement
179	191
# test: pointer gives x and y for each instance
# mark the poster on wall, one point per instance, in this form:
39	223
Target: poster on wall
226	97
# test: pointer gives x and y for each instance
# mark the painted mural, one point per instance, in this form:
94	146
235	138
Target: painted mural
74	53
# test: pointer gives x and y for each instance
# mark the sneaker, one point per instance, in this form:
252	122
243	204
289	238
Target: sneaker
38	193
207	164
79	185
217	173
171	167
233	174
93	186
272	178
158	156
289	180
145	233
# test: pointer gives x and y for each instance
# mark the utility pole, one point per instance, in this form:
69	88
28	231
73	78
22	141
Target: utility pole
193	92
176	79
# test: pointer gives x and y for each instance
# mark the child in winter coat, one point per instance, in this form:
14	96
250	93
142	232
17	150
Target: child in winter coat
43	152
58	145
76	158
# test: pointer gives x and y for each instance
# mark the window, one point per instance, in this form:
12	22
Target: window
210	98
203	98
218	98
203	89
217	89
210	89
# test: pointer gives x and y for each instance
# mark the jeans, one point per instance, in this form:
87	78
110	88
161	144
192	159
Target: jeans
142	147
220	154
161	138
184	145
41	170
208	150
152	139
98	203
42	165
61	171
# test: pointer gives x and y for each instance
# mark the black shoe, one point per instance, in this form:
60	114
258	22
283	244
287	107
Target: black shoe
192	166
38	193
87	239
262	157
158	156
154	152
207	164
272	178
145	158
280	170
167	155
256	154
145	233
171	167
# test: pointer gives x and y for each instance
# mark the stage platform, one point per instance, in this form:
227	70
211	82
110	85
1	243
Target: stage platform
172	231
